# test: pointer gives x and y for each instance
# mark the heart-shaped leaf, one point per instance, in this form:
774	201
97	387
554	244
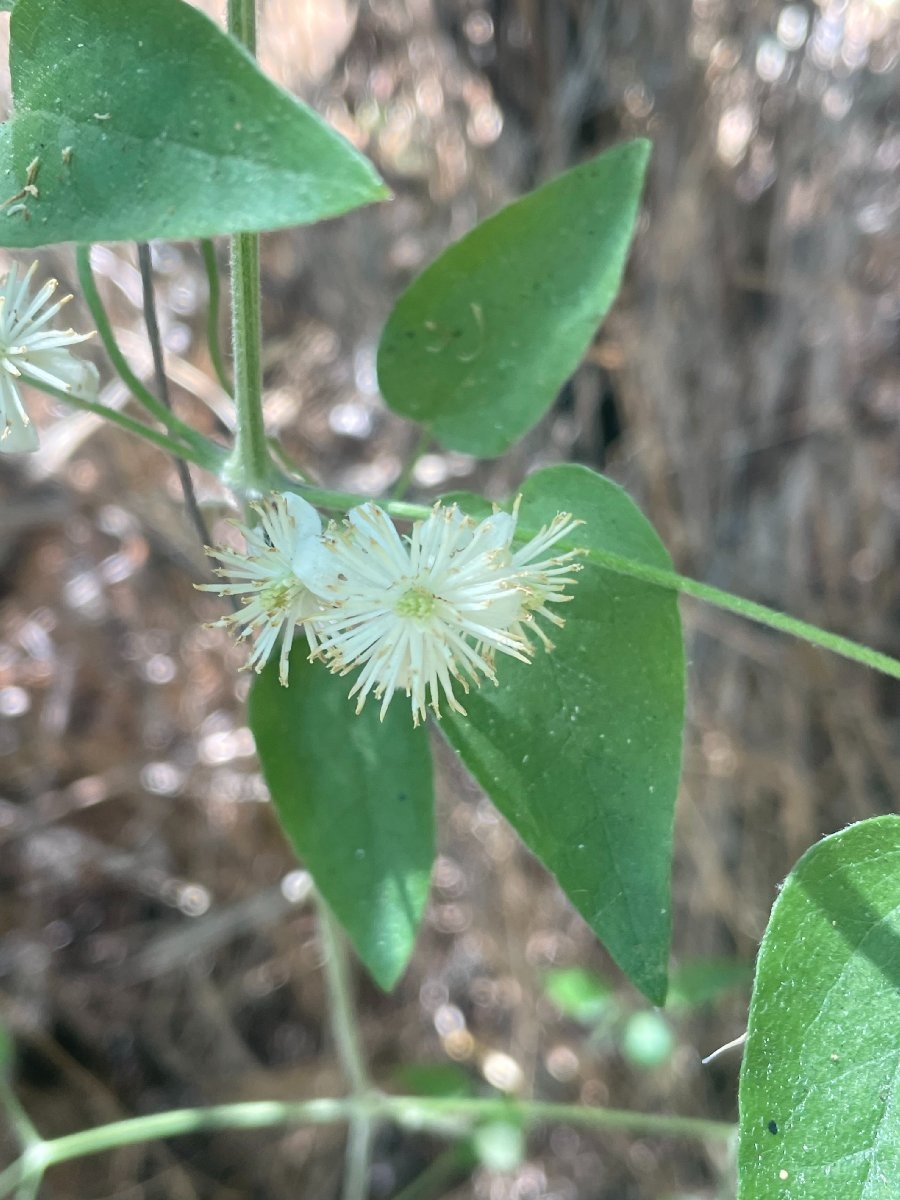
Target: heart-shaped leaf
139	121
479	345
820	1084
354	797
581	749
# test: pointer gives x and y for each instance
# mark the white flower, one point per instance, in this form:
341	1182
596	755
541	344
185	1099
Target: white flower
274	598
26	347
423	613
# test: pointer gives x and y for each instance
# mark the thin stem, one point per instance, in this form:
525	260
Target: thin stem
449	1117
162	387
249	469
340	998
358	1157
22	1123
242	23
145	397
670	581
209	455
749	609
404	479
214	303
345	1031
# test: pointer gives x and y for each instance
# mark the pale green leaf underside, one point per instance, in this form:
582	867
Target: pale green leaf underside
581	750
479	345
820	1085
354	797
147	121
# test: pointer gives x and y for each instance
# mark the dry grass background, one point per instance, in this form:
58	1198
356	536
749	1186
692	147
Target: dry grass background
157	950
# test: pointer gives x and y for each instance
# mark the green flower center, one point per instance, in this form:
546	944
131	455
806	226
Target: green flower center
277	597
415	602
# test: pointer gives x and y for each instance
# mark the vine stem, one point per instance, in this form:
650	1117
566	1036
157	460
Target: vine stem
145	263
208	251
249	469
340	995
443	1116
143	395
207	455
349	1049
659	577
404	479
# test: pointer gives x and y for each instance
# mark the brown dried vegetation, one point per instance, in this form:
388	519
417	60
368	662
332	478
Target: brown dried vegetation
157	951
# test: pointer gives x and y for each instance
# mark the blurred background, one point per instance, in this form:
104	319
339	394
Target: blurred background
158	946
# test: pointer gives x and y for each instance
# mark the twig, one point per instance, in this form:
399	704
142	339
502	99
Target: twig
162	387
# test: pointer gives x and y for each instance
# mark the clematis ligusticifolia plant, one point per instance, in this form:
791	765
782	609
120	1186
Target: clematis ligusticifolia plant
420	614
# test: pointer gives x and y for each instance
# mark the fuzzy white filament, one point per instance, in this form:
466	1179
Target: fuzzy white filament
420	614
274	599
28	348
424	613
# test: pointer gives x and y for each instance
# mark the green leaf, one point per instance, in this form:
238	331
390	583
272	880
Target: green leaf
702	980
479	345
820	1084
354	797
581	749
147	121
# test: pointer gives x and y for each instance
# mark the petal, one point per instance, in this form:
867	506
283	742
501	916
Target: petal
496	531
19	435
316	567
307	521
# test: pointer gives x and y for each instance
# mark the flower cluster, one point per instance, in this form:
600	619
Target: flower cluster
28	348
418	614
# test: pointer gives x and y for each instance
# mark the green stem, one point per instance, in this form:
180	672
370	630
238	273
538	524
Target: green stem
749	609
208	455
249	470
671	581
404	479
242	23
450	1117
145	262
142	394
340	997
349	1049
358	1157
208	250
24	1127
